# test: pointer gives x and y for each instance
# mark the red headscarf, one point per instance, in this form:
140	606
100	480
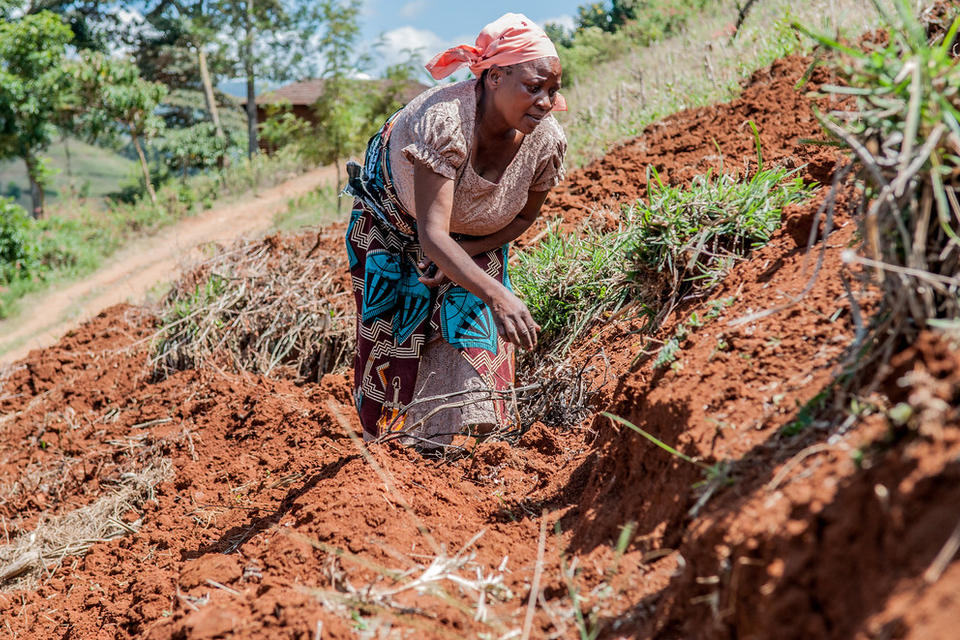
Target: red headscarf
511	39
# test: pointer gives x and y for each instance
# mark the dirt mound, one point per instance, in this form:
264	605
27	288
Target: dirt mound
277	524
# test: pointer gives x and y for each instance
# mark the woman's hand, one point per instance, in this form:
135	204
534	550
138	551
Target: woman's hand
432	276
434	203
513	319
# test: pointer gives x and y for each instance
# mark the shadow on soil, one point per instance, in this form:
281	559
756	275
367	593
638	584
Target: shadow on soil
826	589
235	537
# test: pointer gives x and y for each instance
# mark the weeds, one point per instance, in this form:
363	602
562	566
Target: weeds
693	235
570	281
684	238
905	135
668	352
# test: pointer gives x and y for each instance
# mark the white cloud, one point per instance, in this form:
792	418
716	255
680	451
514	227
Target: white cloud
397	42
413	8
566	21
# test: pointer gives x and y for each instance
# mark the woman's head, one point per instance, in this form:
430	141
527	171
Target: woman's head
524	93
510	40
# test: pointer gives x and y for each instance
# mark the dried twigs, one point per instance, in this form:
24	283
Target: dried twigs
905	136
75	532
261	305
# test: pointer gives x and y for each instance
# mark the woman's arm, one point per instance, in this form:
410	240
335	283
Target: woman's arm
481	244
434	204
526	217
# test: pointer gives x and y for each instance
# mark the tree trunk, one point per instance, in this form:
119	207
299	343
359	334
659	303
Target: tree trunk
143	165
70	181
336	161
222	161
66	150
251	94
36	189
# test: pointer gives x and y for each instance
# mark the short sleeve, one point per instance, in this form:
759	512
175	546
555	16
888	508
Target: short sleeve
550	168
438	140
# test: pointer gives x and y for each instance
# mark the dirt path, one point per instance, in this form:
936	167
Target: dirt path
134	270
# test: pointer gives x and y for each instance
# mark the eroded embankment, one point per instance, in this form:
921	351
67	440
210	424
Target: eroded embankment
274	524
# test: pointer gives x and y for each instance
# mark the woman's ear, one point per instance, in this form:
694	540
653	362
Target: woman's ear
494	76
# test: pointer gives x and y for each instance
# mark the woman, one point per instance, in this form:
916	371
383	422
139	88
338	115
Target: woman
447	183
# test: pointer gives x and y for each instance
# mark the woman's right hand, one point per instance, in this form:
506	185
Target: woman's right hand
514	320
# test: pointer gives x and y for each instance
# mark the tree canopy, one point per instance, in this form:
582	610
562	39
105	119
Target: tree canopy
32	91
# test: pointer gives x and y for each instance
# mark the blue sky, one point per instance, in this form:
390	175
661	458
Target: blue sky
430	26
433	25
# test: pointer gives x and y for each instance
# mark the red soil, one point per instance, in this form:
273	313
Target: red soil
272	499
694	141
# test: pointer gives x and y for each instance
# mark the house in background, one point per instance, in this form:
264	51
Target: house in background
300	97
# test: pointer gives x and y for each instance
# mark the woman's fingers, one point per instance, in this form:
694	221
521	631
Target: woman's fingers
434	280
520	332
531	328
514	321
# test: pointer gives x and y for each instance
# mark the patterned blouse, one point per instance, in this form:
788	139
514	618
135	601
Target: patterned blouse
436	128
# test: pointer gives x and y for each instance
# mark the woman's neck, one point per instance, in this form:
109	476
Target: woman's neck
490	124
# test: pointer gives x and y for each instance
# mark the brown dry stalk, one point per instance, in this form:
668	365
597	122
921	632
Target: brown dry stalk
258	306
73	533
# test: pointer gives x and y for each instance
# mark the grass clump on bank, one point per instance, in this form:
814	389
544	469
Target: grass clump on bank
680	241
904	136
691	236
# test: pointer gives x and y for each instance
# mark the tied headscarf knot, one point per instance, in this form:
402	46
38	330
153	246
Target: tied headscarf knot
511	39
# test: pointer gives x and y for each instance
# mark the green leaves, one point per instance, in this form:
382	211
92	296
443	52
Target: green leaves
112	94
680	239
901	125
693	234
32	88
18	249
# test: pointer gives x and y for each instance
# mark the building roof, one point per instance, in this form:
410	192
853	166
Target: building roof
306	92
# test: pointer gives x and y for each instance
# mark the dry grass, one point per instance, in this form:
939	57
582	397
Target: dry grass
56	538
904	137
259	305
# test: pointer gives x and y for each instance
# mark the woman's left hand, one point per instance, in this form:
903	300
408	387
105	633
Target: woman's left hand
432	276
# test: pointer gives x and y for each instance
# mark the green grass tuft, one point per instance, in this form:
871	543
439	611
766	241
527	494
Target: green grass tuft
682	239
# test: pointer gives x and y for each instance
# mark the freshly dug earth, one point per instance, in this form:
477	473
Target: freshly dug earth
277	524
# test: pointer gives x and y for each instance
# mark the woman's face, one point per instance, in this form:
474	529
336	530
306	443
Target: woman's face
523	94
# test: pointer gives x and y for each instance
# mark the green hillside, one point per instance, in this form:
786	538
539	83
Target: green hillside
93	173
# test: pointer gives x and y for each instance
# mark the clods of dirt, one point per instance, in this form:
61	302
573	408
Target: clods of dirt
278	523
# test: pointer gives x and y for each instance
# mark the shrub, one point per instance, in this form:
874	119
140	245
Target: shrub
904	134
18	249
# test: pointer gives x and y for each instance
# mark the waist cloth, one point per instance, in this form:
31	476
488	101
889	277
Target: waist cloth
397	315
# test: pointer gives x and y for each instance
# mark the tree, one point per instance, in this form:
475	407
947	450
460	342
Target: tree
342	110
274	39
182	48
193	147
597	15
558	34
92	22
32	92
113	94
